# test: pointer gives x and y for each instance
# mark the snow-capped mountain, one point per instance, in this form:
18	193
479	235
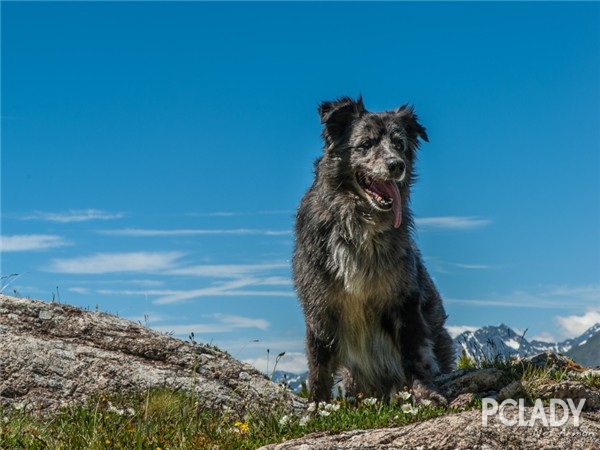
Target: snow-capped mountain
492	341
292	380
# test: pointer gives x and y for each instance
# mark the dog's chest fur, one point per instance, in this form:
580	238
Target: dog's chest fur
364	293
363	261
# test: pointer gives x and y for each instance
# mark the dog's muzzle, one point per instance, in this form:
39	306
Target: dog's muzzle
383	194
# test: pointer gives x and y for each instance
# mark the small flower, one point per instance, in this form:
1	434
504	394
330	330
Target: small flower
241	427
312	406
369	401
284	420
409	409
332	407
404	395
304	421
324	413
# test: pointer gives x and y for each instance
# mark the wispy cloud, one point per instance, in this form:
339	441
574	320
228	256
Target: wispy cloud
574	325
30	242
101	263
221	323
473	266
138	232
548	297
452	222
456	330
236	288
74	215
229	270
294	362
237	214
447	267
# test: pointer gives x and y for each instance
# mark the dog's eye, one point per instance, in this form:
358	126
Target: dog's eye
397	142
365	145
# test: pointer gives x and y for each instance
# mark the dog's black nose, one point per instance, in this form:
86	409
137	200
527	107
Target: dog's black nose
396	167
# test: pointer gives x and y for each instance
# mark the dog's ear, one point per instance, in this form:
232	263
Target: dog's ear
338	115
411	122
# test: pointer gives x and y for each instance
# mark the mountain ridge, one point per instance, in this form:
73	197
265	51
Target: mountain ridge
502	341
497	341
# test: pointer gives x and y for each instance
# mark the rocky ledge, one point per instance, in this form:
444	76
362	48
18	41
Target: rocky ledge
53	354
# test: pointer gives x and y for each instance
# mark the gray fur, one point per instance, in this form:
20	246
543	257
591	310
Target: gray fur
371	309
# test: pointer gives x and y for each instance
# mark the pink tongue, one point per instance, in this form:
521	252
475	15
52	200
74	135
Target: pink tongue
390	189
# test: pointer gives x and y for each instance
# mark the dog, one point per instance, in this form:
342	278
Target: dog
373	314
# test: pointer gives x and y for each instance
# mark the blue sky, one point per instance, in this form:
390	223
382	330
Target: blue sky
153	156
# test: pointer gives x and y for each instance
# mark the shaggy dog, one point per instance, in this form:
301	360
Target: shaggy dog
372	312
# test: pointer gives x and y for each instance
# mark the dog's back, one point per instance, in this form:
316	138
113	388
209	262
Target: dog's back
371	308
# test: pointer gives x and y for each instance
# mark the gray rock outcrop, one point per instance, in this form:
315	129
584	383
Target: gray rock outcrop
461	431
53	354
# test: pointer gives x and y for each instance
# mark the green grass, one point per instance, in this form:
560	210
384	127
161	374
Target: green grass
168	420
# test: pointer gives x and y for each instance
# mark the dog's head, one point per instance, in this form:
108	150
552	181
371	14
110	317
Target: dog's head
374	152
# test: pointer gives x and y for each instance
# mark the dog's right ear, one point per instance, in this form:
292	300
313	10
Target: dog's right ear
337	116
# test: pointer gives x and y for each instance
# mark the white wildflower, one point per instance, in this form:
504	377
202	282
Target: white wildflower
324	413
312	407
404	395
284	420
304	421
117	411
409	409
369	401
332	407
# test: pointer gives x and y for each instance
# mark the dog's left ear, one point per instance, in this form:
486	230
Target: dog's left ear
337	116
411	122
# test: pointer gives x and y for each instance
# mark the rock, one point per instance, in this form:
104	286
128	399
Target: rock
512	390
458	431
574	390
477	381
53	354
552	361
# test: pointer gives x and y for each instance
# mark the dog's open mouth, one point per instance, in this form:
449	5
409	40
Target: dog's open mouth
384	195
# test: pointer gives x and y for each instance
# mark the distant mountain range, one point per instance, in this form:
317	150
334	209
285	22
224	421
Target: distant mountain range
501	340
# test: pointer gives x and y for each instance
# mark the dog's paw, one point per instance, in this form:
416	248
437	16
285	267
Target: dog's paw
427	394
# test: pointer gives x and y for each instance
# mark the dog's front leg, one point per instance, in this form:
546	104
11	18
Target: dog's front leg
419	359
321	365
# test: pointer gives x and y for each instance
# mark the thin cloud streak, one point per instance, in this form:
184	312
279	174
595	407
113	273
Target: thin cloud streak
550	297
575	325
452	222
75	215
228	270
456	330
224	323
473	266
138	232
234	288
293	362
102	263
30	242
238	214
